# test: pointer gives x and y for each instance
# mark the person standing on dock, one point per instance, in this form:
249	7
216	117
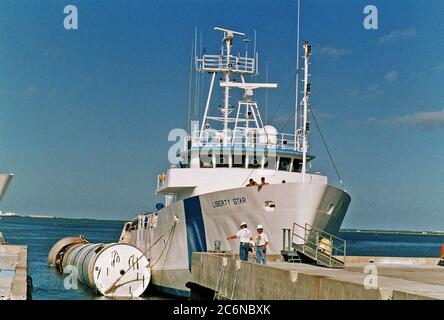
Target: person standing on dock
245	236
261	242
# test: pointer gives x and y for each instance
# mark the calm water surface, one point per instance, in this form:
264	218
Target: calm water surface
41	234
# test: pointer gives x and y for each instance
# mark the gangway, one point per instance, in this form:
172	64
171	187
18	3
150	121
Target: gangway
318	246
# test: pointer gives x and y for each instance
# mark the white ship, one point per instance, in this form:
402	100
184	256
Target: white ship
206	197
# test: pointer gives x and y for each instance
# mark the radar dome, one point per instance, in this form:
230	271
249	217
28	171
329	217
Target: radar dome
268	135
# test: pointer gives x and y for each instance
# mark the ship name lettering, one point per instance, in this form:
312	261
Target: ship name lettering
228	202
239	200
221	203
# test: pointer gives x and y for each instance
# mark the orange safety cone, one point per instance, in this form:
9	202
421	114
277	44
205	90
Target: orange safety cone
441	255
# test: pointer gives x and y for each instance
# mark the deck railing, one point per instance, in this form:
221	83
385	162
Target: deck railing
161	180
252	138
218	63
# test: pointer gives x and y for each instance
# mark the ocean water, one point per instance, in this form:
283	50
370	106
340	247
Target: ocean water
396	244
41	234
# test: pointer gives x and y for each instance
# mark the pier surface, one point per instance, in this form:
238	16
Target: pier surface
13	272
362	278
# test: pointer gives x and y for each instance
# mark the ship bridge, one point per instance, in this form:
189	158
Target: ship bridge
232	143
253	148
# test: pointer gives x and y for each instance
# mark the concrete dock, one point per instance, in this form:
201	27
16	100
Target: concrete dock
13	272
362	278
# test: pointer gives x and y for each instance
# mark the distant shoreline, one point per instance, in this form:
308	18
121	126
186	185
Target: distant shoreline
58	218
351	230
406	232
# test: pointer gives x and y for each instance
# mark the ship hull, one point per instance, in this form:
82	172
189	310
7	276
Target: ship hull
205	218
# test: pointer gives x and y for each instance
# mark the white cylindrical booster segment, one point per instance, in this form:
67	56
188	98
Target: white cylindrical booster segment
127	271
115	269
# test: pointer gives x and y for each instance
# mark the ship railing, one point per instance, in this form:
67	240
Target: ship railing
220	63
246	139
141	234
161	180
321	246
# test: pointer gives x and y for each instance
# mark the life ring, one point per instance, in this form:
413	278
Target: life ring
162	177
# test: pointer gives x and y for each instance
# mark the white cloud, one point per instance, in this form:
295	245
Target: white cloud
52	51
30	91
396	35
425	119
283	119
439	67
322	115
372	91
391	76
333	52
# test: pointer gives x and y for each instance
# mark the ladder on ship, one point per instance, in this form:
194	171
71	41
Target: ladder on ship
313	245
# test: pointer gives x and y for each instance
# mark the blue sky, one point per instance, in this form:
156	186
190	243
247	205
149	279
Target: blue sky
85	114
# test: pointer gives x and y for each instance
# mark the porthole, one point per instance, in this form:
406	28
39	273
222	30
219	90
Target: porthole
269	206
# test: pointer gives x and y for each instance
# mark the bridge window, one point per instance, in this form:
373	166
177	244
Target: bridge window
297	165
238	161
284	164
222	161
206	160
270	161
254	162
183	165
206	164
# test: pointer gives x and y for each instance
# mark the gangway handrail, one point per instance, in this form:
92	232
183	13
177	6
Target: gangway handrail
334	249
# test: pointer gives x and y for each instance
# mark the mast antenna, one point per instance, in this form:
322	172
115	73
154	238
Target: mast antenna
196	78
230	66
228	40
247	41
307	91
266	93
254	50
190	87
296	105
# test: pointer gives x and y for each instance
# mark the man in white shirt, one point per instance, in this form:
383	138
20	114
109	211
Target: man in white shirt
261	242
245	236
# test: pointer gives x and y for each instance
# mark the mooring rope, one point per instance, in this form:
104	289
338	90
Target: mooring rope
326	146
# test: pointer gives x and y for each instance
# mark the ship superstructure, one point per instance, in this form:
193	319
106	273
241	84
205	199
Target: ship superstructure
206	197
